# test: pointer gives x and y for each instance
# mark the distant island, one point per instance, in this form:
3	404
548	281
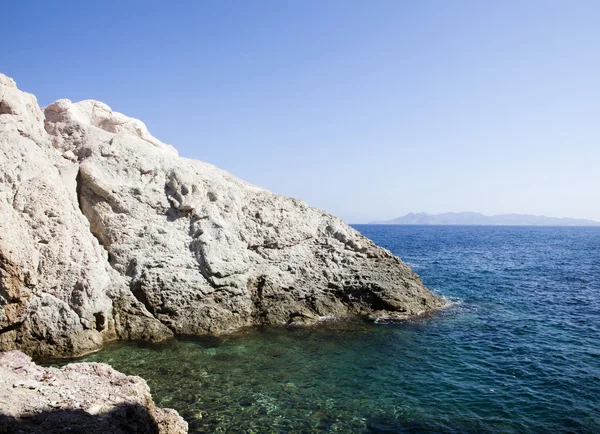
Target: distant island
473	218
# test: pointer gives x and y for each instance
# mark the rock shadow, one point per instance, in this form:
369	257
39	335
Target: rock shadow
127	418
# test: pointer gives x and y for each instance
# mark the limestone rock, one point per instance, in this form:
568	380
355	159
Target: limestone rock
80	397
87	115
107	232
57	289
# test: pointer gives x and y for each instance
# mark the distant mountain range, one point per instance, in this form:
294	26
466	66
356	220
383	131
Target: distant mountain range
473	218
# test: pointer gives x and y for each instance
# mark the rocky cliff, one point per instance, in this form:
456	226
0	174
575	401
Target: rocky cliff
106	233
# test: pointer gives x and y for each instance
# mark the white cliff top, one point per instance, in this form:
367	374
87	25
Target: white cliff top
94	113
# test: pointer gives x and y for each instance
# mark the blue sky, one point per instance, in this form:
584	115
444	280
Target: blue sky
368	109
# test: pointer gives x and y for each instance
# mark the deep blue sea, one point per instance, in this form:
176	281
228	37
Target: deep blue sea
517	352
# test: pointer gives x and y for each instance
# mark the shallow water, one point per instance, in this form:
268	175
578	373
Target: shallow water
519	351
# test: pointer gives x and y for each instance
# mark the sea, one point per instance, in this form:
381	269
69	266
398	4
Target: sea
517	350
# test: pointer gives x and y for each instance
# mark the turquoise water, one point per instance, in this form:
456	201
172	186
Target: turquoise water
519	350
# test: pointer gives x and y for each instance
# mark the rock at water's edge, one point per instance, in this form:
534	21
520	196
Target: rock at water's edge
85	398
107	233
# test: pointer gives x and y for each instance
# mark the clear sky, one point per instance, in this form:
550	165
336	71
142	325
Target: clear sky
368	109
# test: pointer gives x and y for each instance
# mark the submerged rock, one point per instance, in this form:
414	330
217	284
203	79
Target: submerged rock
80	398
107	233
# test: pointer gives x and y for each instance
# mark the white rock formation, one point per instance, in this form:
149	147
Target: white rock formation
57	290
85	398
177	246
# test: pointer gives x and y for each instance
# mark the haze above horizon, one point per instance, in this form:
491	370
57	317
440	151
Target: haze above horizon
473	218
369	110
